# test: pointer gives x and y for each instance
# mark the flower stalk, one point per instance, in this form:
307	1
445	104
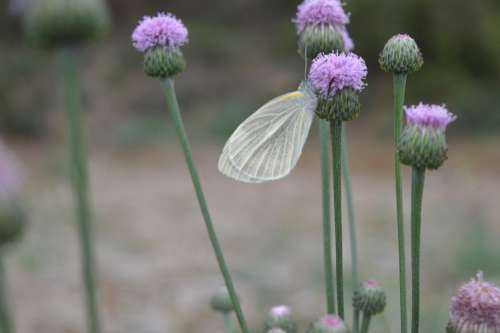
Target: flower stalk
80	185
399	97
327	232
365	326
418	179
6	320
186	148
336	137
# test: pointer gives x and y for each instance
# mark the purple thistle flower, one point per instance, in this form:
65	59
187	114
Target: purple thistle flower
160	30
428	115
332	321
280	311
318	12
477	304
10	173
336	71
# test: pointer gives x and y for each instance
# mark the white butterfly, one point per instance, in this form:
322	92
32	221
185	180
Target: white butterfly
268	144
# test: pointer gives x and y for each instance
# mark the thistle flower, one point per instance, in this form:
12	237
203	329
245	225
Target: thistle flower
337	78
12	218
475	308
370	298
401	55
160	38
328	324
321	25
60	23
280	317
423	141
221	301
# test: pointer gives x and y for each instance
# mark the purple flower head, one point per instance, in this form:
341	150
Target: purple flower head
348	43
280	311
428	115
336	71
332	321
318	12
10	173
160	30
477	303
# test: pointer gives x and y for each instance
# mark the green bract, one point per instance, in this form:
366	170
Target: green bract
423	148
369	299
344	105
164	62
320	39
59	23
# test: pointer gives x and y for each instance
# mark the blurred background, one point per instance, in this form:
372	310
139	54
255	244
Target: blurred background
157	271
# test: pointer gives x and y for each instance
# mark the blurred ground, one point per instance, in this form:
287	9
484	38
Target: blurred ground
157	270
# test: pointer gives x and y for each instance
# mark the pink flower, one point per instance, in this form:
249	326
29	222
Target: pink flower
160	30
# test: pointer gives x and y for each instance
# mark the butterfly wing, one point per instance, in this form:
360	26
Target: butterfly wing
267	145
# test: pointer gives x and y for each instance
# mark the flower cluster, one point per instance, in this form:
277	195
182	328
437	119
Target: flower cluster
161	30
318	12
425	115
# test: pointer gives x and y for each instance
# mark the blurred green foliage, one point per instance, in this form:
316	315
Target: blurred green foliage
251	45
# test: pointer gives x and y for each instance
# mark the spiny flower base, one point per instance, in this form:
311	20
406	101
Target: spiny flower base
164	62
320	39
343	106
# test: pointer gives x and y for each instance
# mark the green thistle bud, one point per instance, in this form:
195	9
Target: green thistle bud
320	39
59	23
328	324
343	106
164	62
370	298
12	222
221	301
280	317
401	55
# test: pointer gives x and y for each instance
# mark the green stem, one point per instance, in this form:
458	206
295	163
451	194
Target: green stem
418	179
181	132
346	175
327	230
399	97
80	185
228	322
336	136
6	322
366	323
355	321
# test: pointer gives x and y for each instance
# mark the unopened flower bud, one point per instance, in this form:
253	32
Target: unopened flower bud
280	317
337	79
475	308
423	141
160	39
401	55
328	324
370	298
60	23
221	301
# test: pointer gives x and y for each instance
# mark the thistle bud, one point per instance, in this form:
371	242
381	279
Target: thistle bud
401	55
423	141
337	79
328	324
475	308
280	317
221	301
59	23
321	26
370	298
161	38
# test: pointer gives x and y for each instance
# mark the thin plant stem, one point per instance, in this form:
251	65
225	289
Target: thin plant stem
399	97
324	134
418	180
80	185
173	105
366	323
355	321
336	136
6	320
346	175
228	322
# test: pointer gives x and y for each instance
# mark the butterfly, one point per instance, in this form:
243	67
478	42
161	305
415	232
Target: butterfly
268	144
